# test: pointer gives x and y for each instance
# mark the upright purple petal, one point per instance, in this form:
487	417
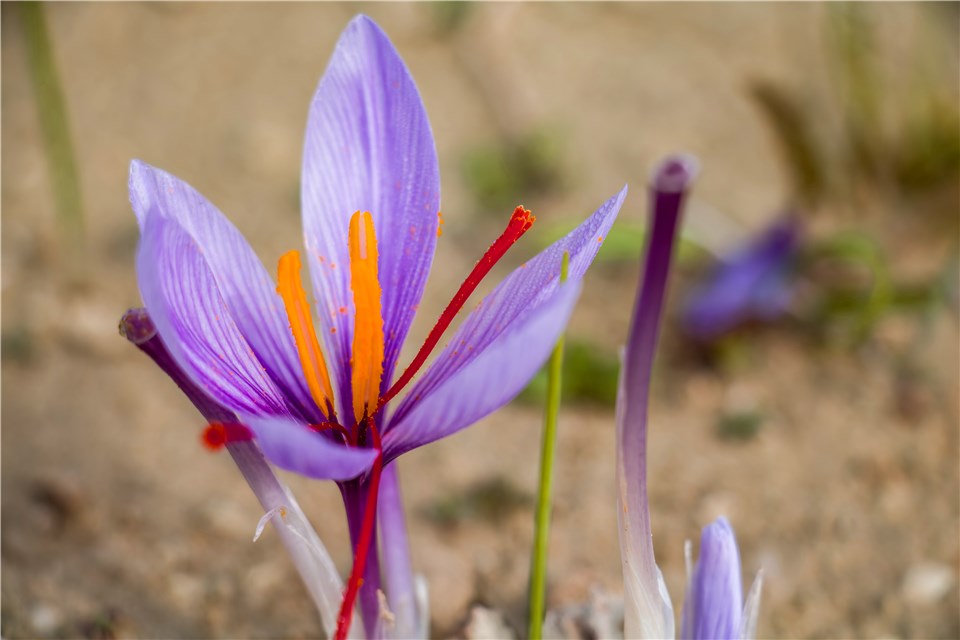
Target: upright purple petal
714	603
195	323
506	323
292	445
369	148
648	612
246	288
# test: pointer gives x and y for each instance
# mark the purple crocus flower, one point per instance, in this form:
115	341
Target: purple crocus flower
714	606
316	402
648	611
753	283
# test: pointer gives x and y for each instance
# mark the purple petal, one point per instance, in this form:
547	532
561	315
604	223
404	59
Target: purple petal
247	290
524	289
369	148
489	380
647	612
753	283
195	324
137	327
714	603
294	446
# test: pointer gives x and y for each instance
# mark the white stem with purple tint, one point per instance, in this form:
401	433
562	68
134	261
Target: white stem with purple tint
306	550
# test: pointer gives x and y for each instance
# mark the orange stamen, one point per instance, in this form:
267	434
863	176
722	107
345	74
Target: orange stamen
367	361
314	366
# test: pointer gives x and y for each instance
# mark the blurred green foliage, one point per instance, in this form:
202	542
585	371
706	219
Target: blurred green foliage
51	106
739	425
590	376
492	501
905	138
504	173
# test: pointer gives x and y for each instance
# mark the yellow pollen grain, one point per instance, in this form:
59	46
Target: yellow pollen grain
294	298
367	361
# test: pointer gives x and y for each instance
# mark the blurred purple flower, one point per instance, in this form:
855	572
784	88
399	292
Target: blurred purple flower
648	611
753	283
368	148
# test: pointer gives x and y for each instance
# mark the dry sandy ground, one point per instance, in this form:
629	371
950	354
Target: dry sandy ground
116	521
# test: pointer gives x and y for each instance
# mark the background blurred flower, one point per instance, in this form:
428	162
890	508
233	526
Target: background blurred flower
753	283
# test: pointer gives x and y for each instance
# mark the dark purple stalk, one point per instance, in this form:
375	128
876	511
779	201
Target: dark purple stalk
667	191
641	577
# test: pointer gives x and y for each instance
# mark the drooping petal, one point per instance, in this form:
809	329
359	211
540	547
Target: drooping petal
195	323
648	612
308	552
523	290
713	606
489	380
369	148
292	445
246	288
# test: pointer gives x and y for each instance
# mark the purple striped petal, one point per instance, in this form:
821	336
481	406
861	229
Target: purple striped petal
294	446
247	290
523	289
513	302
489	381
714	603
194	322
369	148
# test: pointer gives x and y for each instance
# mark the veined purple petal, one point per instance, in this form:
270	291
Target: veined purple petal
648	612
524	289
195	323
294	446
247	290
369	148
489	380
137	327
713	606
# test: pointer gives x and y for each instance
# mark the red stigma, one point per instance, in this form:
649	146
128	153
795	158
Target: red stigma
519	223
218	434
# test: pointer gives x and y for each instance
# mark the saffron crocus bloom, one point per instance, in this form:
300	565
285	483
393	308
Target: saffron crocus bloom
714	604
753	283
316	401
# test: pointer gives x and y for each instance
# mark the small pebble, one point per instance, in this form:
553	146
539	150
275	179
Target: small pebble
45	619
927	582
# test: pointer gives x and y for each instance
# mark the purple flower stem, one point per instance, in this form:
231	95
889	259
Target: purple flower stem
667	190
307	552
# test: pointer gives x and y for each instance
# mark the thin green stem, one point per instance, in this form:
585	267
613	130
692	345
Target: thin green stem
538	569
52	110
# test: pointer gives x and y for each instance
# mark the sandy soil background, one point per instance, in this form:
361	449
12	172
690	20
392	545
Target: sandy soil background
116	522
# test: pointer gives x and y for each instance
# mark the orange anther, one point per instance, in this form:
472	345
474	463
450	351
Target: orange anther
367	361
301	324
